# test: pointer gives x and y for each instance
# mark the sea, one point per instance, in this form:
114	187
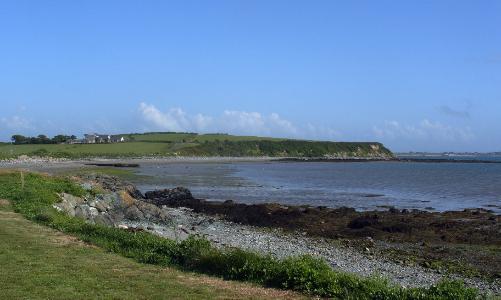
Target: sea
432	186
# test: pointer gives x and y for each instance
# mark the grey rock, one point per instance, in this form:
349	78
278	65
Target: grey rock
152	212
86	212
133	213
68	203
104	219
100	205
86	186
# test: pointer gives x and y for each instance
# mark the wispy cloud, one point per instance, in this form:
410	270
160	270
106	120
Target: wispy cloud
456	113
425	130
231	121
16	123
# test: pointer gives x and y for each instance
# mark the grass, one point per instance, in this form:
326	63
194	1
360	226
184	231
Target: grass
173	144
194	138
122	173
468	260
34	196
40	263
130	149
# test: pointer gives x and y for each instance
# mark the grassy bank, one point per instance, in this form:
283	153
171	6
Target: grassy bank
40	263
33	195
174	144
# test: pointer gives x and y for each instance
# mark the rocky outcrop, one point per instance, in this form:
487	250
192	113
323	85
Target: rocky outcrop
116	205
69	203
468	227
110	183
169	196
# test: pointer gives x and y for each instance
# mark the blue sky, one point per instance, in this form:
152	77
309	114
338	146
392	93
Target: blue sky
415	75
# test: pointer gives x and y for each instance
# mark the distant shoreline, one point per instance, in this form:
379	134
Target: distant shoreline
419	160
224	159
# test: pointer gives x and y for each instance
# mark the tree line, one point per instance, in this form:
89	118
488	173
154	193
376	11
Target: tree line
18	139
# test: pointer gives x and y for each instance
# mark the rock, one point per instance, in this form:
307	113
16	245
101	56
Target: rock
104	219
168	196
100	205
369	242
86	212
113	184
125	200
133	213
68	203
152	212
86	186
363	221
393	210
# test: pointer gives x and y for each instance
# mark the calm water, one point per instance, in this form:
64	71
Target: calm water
374	185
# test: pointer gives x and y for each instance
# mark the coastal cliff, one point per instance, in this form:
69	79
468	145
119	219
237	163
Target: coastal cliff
290	148
203	145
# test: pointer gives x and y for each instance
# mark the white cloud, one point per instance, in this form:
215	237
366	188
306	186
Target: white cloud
202	122
425	130
16	123
242	121
172	120
230	121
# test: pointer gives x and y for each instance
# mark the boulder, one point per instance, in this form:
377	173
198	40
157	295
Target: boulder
86	186
133	213
102	204
168	196
86	212
105	219
152	212
363	221
68	203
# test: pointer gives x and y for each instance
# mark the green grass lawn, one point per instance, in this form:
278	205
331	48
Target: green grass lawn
40	263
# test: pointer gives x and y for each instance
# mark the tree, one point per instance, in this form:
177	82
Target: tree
60	138
19	139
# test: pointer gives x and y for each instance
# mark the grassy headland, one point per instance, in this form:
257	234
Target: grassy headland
191	144
33	195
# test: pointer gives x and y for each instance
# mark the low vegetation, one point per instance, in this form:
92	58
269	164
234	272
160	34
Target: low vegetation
33	195
40	263
41	139
287	148
192	144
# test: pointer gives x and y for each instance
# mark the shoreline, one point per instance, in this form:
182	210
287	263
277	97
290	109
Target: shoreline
363	253
391	255
364	257
26	160
70	166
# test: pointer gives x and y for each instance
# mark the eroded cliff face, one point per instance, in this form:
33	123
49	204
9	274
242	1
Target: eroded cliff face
289	148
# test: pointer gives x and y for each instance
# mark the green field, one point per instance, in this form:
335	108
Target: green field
190	144
193	137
